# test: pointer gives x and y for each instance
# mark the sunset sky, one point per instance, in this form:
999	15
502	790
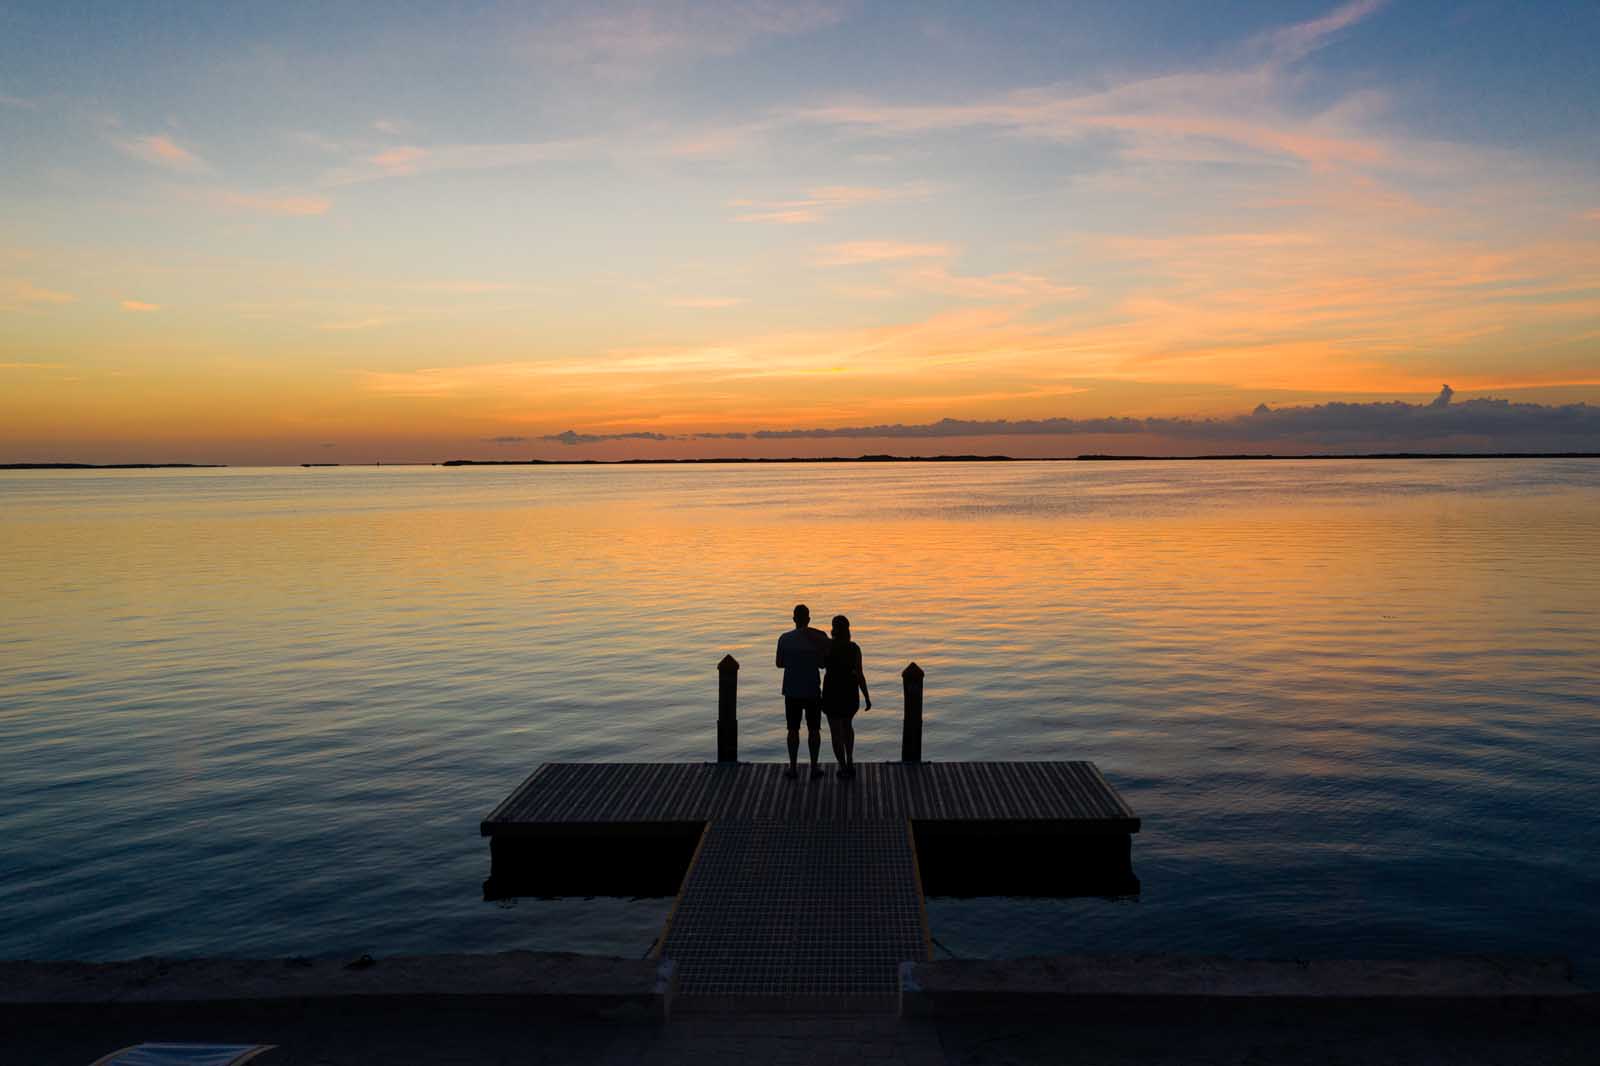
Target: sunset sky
285	233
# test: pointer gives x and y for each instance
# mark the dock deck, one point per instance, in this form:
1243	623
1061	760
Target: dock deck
808	893
621	795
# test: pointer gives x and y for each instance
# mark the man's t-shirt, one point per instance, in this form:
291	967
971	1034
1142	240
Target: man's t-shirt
803	651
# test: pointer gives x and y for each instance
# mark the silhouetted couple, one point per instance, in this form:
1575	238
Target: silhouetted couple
803	653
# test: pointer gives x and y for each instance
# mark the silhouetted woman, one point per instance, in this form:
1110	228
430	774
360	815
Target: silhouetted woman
839	694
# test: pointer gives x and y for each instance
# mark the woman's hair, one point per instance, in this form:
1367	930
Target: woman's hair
841	624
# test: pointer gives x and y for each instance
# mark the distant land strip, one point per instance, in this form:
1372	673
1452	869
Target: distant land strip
747	460
1017	459
112	466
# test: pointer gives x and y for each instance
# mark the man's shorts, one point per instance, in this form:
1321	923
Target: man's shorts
810	706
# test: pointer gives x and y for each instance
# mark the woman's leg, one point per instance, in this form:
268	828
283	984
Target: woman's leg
849	731
838	729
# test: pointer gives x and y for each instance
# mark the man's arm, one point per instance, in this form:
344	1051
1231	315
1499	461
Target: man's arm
780	653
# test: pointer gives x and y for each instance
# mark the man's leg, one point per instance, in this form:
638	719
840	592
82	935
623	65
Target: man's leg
814	733
791	709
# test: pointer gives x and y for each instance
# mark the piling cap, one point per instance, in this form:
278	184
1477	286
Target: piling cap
728	663
912	671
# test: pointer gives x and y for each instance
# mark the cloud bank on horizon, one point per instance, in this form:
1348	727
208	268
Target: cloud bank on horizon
1483	424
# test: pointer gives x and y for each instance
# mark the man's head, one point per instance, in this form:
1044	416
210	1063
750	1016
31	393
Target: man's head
802	615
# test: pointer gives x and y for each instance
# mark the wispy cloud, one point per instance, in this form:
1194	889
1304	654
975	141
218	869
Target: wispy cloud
162	151
716	142
401	160
463	287
1317	307
852	253
631	40
17	102
18	294
1011	286
706	302
279	205
353	324
874	293
1167	116
963	345
320	141
408	160
438	382
1291	43
820	203
33	366
1324	303
1151	115
139	306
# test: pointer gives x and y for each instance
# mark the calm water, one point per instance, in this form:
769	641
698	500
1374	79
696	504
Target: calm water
261	711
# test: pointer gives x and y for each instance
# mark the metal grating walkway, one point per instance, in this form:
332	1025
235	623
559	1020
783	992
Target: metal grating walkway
783	915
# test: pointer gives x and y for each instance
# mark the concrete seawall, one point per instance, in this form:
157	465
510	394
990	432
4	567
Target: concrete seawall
1174	983
643	988
558	983
525	1006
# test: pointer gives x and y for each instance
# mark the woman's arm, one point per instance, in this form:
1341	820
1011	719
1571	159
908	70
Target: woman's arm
861	679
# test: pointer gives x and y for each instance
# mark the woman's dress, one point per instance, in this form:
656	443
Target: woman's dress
839	686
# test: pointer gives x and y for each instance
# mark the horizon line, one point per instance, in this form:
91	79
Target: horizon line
796	459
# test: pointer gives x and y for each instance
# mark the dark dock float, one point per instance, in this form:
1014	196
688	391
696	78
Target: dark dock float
807	893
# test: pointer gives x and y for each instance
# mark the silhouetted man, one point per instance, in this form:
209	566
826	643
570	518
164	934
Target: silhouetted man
801	652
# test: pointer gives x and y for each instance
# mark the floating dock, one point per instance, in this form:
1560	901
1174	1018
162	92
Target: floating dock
807	893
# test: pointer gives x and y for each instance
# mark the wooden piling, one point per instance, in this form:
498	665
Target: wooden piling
728	709
911	739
